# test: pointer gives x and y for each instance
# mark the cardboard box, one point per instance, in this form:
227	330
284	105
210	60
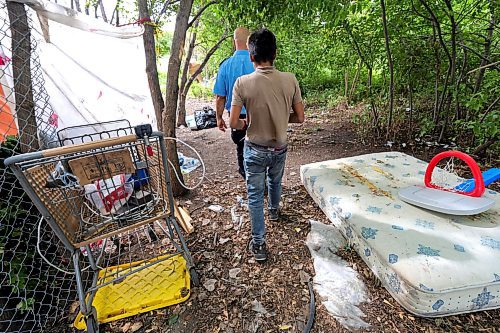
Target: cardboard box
101	165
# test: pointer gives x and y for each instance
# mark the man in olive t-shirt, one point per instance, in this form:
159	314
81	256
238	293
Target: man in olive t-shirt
268	96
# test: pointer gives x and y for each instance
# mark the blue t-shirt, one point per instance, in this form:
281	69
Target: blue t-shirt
235	66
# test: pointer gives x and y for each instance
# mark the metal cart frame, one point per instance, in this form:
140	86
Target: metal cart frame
63	206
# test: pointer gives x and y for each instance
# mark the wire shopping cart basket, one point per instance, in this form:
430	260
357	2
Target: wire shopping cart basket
107	196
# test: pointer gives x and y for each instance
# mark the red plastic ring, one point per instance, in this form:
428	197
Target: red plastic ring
479	187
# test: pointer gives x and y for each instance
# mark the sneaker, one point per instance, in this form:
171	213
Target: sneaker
274	214
260	252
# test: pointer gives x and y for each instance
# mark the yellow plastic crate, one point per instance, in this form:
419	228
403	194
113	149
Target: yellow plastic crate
160	285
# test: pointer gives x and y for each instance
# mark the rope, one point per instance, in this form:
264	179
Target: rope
139	21
199	157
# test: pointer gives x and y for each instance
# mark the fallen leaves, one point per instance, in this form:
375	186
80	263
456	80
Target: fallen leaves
131	327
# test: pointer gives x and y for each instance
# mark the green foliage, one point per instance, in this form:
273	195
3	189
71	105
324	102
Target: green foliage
200	91
163	43
25	305
323	43
11	213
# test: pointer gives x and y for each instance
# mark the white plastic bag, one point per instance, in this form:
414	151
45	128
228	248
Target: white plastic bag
109	195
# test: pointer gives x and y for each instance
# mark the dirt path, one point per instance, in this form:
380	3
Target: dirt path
239	295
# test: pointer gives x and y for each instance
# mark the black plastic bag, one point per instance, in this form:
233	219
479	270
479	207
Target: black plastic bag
205	118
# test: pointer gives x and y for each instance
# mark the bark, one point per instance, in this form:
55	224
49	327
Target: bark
463	67
21	68
485	146
185	91
346	82
151	67
202	9
95	9
174	64
435	116
446	51
163	10
391	66
354	81
410	94
487	50
490	108
181	112
372	102
103	12
453	68
370	73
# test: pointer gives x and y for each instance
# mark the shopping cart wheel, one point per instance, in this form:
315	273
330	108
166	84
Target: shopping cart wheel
91	321
195	280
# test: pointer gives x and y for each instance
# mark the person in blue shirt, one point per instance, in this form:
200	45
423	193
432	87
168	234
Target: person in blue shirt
229	70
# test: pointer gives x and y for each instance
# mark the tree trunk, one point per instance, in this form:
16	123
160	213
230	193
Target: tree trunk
391	66
151	68
172	88
21	68
453	69
354	81
370	96
437	27
210	52
181	112
204	62
346	82
461	76
410	94
117	13
103	12
435	115
487	48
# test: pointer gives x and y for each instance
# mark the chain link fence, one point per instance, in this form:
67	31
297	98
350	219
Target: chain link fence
34	296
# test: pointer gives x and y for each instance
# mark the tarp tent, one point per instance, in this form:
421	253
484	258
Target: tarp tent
93	72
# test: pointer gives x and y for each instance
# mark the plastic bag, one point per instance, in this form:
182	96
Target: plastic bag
205	118
110	194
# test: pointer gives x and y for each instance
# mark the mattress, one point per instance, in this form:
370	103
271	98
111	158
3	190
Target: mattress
432	264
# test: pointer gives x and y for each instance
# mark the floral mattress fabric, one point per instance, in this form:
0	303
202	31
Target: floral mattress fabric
433	264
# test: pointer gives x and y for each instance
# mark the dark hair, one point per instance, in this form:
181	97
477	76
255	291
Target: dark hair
262	46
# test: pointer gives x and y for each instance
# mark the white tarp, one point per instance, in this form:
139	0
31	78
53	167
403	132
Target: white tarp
339	287
93	72
72	18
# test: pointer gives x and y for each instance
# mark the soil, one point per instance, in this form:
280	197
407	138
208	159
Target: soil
235	304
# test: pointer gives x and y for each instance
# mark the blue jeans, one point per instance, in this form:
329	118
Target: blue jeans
261	163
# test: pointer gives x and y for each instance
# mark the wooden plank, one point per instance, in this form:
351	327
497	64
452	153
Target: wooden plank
188	228
187	219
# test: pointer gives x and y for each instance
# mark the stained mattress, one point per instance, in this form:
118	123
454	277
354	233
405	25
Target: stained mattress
433	264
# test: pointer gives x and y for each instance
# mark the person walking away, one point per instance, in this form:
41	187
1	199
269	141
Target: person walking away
230	69
268	96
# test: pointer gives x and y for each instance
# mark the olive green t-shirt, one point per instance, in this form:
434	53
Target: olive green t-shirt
268	95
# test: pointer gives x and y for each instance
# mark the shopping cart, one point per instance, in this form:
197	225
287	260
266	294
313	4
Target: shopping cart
107	196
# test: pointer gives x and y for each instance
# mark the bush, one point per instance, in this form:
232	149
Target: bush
199	90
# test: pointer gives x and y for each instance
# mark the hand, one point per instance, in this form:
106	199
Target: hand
221	124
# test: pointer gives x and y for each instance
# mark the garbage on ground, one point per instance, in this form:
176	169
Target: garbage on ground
237	216
216	208
188	164
337	284
202	119
210	284
233	272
